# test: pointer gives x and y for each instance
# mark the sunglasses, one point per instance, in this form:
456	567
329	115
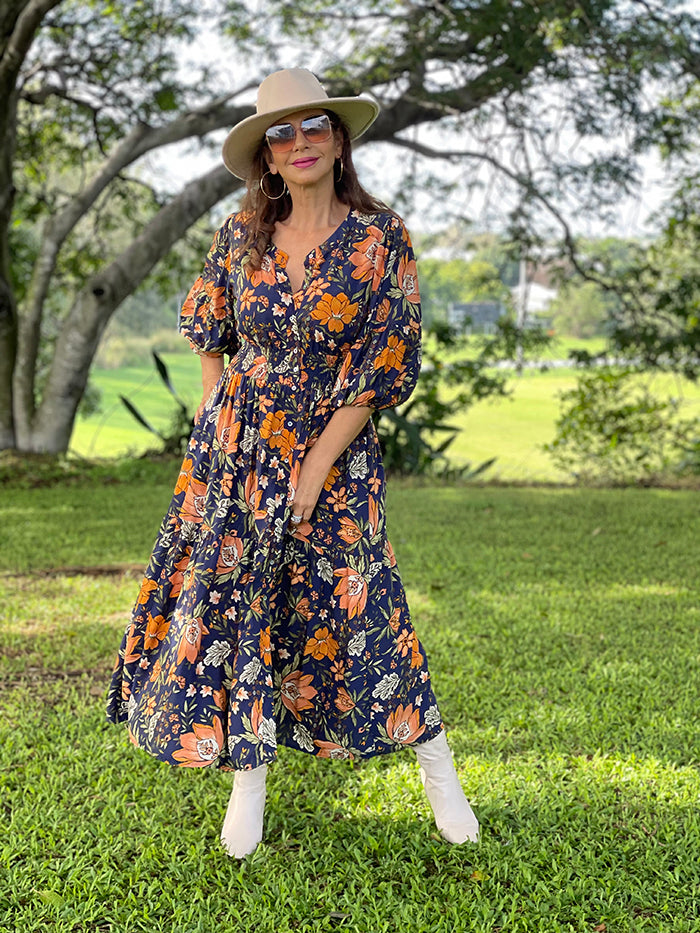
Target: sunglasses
282	136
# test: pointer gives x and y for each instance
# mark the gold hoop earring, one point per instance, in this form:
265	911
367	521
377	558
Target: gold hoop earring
271	197
341	172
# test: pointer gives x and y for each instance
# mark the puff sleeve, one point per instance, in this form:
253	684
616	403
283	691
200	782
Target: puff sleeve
381	367
207	318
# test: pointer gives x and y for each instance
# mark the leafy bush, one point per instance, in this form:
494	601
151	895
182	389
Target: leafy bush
613	430
175	441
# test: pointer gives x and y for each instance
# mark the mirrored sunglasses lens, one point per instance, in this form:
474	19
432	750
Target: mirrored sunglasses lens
316	129
281	137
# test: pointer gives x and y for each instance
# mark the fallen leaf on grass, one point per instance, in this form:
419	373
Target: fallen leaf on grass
596	531
478	875
601	928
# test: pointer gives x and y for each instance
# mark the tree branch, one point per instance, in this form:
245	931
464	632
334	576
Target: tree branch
20	41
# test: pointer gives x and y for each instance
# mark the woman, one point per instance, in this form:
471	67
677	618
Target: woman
272	610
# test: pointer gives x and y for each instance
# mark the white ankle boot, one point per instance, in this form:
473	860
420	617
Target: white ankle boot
243	823
454	817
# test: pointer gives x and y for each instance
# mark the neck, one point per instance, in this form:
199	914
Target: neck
315	207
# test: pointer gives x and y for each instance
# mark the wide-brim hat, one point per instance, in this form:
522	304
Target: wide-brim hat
285	92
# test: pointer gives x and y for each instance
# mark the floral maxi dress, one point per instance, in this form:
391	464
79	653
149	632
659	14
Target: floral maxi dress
249	631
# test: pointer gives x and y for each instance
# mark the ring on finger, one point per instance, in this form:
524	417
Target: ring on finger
296	519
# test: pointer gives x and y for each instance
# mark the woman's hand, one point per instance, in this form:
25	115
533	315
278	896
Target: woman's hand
343	427
309	486
212	370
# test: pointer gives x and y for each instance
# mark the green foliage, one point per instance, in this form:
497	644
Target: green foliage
176	438
568	687
612	430
457	372
581	310
445	282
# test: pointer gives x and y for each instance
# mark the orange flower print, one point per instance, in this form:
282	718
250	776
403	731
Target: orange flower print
403	725
266	273
297	693
395	619
404	643
297	573
193	506
369	257
338	499
217	300
344	702
334	311
390	554
321	645
303	608
416	654
156	630
147	587
277	436
253	495
373	510
408	279
190	640
189	305
202	746
178	575
364	398
155	671
230	554
352	589
183	478
349	531
227	433
333	750
246	299
383	311
391	356
265	646
132	641
333	475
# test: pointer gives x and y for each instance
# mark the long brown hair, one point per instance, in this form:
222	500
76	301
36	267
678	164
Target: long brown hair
263	212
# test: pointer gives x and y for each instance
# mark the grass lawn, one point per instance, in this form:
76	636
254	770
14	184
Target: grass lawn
563	629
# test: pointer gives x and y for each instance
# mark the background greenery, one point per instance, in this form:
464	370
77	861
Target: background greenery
513	429
562	629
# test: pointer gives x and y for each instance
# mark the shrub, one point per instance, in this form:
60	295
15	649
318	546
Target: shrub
613	430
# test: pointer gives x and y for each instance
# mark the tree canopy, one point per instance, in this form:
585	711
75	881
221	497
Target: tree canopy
560	100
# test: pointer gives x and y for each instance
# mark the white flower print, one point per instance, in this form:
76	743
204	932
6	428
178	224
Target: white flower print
386	686
374	569
267	732
358	465
325	569
432	716
357	643
217	653
251	670
303	738
250	437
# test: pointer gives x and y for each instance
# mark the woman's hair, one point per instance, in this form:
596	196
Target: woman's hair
263	213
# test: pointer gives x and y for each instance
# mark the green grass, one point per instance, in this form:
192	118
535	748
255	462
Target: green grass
513	429
562	630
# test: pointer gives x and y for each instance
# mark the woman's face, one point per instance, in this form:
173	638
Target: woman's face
306	162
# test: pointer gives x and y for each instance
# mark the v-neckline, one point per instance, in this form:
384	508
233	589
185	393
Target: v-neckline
279	252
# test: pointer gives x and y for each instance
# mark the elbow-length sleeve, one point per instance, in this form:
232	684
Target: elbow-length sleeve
381	367
207	318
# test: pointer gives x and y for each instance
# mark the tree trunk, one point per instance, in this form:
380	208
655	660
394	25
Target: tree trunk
82	329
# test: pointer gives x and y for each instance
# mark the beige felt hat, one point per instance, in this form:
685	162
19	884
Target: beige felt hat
284	92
